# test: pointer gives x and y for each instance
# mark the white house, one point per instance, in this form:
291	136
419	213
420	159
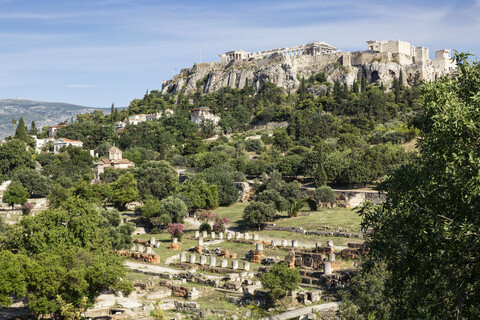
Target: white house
63	142
203	113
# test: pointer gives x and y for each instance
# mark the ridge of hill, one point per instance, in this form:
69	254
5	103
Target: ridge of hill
43	113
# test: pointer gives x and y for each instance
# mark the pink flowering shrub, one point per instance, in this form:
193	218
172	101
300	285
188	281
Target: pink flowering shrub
219	224
205	215
176	230
27	208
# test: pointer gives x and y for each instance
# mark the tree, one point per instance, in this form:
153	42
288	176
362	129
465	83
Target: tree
35	183
33	129
320	174
156	178
257	213
22	133
198	193
274	198
14	154
174	208
124	190
280	280
428	232
15	194
226	188
64	252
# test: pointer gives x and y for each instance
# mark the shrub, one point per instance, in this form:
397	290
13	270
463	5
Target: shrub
175	230
205	226
27	208
325	194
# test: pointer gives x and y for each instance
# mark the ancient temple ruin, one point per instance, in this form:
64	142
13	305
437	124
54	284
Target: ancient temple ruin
313	49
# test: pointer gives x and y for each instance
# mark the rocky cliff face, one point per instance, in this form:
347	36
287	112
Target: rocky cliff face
285	71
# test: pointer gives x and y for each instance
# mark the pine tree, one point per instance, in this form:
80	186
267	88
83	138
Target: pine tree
21	133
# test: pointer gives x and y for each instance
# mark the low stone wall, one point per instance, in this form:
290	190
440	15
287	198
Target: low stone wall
273	227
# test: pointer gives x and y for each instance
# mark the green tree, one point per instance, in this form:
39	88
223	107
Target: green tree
257	213
22	132
198	194
280	280
15	194
428	231
273	197
35	183
226	188
320	174
174	208
156	178
124	190
14	154
33	129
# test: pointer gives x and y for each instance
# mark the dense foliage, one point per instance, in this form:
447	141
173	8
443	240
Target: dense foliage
427	233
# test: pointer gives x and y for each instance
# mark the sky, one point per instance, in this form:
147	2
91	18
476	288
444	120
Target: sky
98	52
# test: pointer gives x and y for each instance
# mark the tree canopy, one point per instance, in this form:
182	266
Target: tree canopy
428	232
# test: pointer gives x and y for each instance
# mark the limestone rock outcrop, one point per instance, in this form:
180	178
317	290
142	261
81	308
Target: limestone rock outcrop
285	71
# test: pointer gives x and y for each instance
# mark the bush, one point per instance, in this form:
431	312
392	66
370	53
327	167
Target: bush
205	226
325	194
176	230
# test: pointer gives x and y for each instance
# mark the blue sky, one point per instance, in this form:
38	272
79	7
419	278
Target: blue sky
95	52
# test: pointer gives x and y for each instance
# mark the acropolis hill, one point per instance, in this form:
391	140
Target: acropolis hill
381	61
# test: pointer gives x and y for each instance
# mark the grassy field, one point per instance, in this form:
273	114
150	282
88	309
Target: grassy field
345	218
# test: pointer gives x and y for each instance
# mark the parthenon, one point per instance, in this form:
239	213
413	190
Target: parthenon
313	49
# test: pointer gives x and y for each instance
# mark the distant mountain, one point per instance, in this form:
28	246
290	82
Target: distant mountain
43	113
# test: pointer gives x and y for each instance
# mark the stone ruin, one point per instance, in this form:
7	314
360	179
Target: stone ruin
146	257
313	49
255	255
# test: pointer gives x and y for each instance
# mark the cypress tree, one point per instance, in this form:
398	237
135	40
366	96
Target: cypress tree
33	129
303	90
21	133
320	174
363	84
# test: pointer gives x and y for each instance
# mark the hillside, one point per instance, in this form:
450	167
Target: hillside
43	113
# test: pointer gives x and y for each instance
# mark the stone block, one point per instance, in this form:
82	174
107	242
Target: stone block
149	250
220	235
246	266
259	246
204	234
183	257
284	243
223	263
294	243
200	241
212	235
234	264
152	240
192	258
197	234
203	260
255	237
213	261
